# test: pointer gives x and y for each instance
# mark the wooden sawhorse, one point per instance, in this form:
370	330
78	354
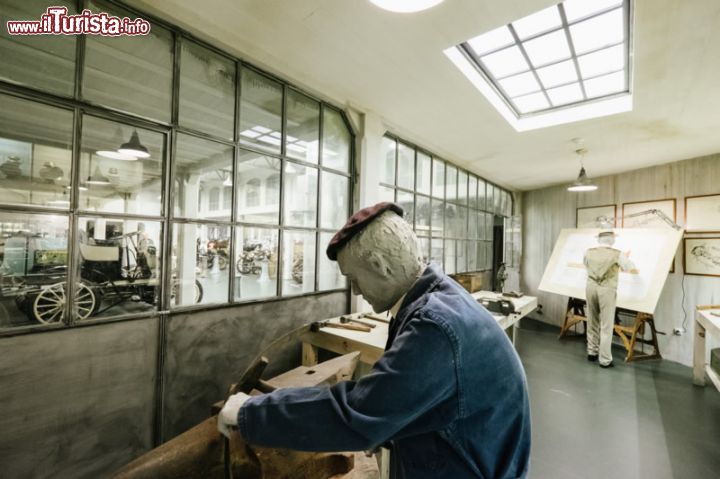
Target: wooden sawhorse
634	334
629	335
574	315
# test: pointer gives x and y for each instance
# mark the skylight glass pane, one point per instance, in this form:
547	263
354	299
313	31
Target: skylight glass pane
548	48
605	85
603	61
565	94
520	84
492	40
532	102
542	21
577	9
598	32
505	62
558	74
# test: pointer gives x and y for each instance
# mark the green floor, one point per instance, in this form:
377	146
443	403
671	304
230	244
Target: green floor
638	420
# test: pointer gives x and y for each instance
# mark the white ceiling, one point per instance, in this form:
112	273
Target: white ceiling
358	55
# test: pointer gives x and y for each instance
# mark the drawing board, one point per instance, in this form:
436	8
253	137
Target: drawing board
651	250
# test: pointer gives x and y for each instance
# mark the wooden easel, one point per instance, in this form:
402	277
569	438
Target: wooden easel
629	335
632	335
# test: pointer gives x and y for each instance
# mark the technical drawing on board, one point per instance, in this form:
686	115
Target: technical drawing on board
650	249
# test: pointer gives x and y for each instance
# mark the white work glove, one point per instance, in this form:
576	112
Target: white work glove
228	416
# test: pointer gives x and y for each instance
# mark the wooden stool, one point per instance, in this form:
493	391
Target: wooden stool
631	335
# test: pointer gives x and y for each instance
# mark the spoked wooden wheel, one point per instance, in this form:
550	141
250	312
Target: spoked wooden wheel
198	291
49	304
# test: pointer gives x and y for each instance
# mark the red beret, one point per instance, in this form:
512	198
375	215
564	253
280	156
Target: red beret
356	223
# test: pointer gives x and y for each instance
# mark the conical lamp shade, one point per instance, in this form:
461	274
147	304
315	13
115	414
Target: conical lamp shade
583	183
134	147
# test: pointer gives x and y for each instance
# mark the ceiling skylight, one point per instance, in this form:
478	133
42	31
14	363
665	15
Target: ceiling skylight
556	65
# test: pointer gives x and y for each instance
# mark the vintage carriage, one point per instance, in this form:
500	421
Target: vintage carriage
112	272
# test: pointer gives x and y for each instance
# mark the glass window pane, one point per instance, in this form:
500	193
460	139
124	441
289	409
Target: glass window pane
35	153
120	264
462	213
46	62
462	187
472	224
498	200
387	194
335	200
207	91
472	191
438	216
120	168
258	196
472	256
298	262
330	275
490	198
389	147
422	215
451	220
438	183
33	256
202	170
481	226
130	73
405	200
461	262
300	203
260	112
436	251
489	225
424	245
406	167
423	173
481	195
451	183
480	255
200	273
450	256
488	255
336	141
303	127
256	263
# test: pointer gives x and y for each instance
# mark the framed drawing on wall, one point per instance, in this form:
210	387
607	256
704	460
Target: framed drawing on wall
649	220
702	214
604	216
668	207
702	256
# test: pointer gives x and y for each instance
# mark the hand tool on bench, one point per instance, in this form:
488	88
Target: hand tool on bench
315	327
350	319
375	317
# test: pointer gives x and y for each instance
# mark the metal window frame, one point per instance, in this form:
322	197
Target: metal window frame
482	206
79	107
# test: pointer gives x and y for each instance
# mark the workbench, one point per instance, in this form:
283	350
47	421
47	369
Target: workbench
371	345
706	322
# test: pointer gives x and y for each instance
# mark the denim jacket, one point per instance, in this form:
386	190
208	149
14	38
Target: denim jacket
449	394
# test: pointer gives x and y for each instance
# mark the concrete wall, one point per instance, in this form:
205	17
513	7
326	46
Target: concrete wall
81	402
547	211
207	352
